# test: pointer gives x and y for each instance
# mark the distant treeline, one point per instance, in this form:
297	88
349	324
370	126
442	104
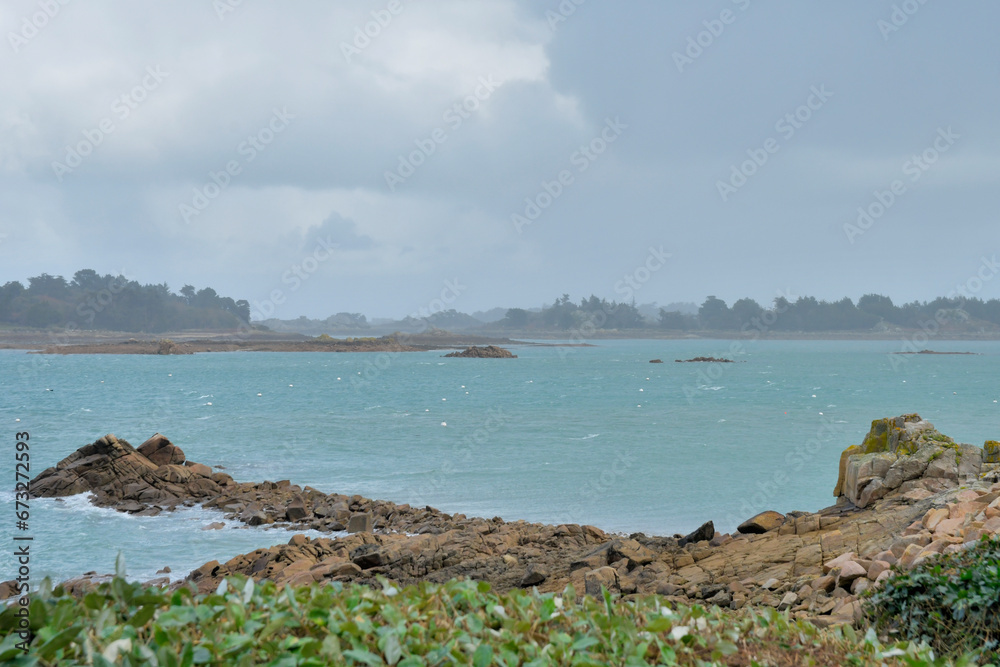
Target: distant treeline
872	312
93	301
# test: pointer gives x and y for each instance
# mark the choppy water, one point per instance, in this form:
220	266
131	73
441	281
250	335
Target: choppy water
589	435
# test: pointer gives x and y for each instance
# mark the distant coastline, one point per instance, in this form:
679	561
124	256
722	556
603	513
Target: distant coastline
55	341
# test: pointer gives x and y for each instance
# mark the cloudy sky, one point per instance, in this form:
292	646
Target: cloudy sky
315	157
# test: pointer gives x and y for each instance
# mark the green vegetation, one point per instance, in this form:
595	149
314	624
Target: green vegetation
952	602
92	301
591	314
872	311
464	623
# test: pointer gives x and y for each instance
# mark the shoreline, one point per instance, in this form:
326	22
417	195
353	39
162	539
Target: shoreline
116	342
905	495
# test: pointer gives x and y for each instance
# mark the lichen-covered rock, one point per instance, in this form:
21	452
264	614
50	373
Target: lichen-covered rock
903	454
898	435
991	451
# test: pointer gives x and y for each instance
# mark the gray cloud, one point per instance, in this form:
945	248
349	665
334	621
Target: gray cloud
171	102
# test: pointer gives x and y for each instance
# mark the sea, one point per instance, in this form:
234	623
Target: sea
592	435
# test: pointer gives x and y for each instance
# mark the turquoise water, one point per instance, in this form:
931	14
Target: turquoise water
589	435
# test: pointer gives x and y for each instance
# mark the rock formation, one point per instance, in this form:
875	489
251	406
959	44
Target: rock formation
905	455
899	504
487	352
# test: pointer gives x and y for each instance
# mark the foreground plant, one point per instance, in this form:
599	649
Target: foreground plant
461	622
952	602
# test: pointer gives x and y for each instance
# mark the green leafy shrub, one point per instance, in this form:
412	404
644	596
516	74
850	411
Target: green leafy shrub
461	622
952	602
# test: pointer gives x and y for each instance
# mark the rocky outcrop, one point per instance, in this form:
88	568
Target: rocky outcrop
706	360
905	455
812	565
487	352
145	480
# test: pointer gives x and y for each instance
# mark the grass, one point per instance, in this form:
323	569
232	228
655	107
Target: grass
458	623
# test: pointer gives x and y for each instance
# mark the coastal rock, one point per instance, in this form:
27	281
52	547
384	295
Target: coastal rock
535	575
761	523
603	578
122	477
487	352
816	556
360	523
161	451
102	466
991	451
713	360
296	509
901	455
704	532
656	361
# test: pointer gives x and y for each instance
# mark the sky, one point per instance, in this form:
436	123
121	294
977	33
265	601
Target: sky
390	156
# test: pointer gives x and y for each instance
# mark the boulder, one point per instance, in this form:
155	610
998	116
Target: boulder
161	451
991	451
296	509
361	522
602	578
635	553
848	572
761	523
535	575
704	532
